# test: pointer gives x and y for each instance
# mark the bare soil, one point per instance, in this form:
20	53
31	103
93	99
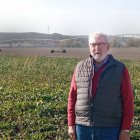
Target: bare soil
122	53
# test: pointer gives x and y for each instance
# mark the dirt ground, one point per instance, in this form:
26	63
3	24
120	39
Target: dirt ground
123	53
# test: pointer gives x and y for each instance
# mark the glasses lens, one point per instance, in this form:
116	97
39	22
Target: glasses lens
98	44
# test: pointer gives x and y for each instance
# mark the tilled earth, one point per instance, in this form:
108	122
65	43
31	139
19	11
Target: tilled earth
123	53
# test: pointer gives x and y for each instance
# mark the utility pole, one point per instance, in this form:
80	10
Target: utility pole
48	29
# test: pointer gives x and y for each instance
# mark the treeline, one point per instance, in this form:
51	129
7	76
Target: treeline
69	43
130	42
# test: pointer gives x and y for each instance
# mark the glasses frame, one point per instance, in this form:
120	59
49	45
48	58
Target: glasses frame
100	44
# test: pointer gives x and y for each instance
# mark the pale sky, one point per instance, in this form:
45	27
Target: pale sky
70	17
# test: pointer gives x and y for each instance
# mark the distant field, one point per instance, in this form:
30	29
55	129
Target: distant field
124	53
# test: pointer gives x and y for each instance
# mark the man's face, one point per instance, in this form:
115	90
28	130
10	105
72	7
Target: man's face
98	48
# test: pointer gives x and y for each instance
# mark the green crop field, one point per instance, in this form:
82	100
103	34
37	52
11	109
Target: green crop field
33	97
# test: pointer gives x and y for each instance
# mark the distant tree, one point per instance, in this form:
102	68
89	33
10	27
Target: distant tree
10	44
133	42
68	43
76	45
113	44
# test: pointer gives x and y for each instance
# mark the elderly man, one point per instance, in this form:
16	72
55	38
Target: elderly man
100	102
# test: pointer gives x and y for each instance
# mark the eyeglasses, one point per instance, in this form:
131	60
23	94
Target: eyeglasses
100	44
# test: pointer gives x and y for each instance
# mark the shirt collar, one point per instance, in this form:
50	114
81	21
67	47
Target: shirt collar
96	67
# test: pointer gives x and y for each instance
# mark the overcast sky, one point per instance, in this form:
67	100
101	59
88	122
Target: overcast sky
70	17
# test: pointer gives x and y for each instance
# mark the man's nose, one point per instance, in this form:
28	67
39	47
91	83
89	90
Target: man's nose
97	46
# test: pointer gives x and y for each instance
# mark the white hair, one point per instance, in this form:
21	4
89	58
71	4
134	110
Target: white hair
97	34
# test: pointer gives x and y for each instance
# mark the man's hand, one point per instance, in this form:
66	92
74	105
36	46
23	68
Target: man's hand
72	132
124	135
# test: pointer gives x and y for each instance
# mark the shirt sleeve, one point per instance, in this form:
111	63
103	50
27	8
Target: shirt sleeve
72	101
128	101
